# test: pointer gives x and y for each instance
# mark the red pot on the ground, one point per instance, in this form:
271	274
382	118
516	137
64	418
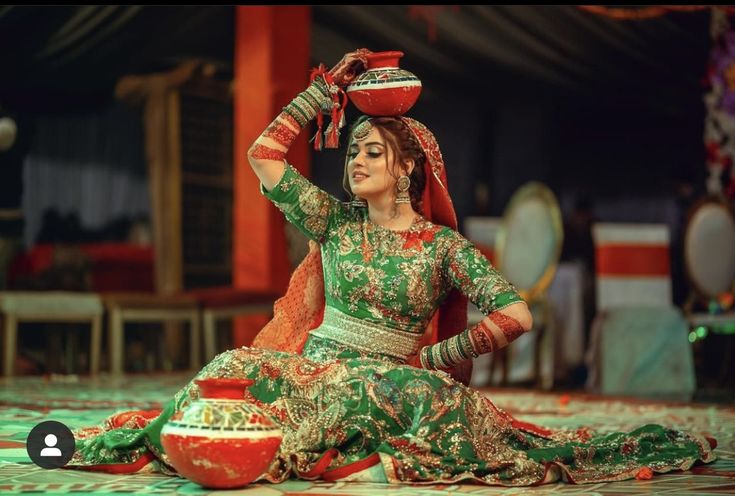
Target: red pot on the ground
221	440
384	89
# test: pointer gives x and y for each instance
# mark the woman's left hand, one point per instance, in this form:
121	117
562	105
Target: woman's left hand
462	372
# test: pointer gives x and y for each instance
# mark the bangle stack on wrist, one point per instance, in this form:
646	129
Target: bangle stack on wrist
322	96
309	102
447	353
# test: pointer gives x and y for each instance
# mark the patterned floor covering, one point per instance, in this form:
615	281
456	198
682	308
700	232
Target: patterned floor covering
24	402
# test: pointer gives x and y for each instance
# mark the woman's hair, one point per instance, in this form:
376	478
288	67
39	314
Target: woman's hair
400	139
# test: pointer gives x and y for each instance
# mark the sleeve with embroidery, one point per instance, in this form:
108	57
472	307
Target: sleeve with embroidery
467	269
305	205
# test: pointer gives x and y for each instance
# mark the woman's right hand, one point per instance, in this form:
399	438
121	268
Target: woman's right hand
351	66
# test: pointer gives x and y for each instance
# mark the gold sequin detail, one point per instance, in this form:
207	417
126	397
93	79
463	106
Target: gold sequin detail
366	336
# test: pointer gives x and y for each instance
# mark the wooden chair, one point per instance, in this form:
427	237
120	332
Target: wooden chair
526	251
150	307
709	256
50	306
225	303
637	341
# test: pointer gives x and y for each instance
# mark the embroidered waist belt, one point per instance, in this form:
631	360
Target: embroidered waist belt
365	336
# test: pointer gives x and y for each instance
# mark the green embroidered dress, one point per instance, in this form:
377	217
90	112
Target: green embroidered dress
350	409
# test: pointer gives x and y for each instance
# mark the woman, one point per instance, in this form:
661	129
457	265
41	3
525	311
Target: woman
355	379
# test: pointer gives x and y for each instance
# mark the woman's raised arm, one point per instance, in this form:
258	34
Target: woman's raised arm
267	153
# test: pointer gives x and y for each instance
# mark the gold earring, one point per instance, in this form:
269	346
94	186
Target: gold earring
404	182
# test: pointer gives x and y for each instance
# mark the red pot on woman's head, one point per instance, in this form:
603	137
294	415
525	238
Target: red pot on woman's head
384	89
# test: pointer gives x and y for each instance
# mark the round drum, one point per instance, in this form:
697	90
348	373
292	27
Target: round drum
709	248
530	238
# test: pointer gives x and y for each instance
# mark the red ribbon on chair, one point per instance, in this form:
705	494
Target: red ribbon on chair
633	260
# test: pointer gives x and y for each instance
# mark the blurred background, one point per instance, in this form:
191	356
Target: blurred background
123	178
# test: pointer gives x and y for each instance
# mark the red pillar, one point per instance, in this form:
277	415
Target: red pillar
272	61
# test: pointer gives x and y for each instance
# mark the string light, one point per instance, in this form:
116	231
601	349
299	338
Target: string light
633	14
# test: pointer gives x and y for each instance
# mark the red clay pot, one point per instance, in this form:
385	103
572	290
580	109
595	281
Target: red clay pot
221	440
384	89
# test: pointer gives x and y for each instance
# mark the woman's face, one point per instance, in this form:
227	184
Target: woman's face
369	164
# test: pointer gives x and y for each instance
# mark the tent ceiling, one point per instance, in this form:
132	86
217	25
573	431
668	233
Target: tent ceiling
77	53
83	50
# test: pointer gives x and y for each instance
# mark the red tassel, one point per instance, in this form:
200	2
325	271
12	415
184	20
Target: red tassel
318	136
318	71
331	136
338	114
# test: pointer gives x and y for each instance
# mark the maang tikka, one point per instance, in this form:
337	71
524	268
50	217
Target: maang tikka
361	132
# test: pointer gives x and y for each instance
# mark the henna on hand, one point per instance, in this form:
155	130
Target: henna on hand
280	133
351	65
283	130
486	339
511	327
262	152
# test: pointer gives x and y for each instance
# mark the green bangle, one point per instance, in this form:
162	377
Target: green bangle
466	344
322	86
312	101
423	359
296	113
448	361
317	94
440	362
309	99
459	348
452	351
451	359
302	104
443	354
431	357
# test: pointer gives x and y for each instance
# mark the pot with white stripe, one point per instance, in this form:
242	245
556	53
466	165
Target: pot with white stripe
221	440
384	89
